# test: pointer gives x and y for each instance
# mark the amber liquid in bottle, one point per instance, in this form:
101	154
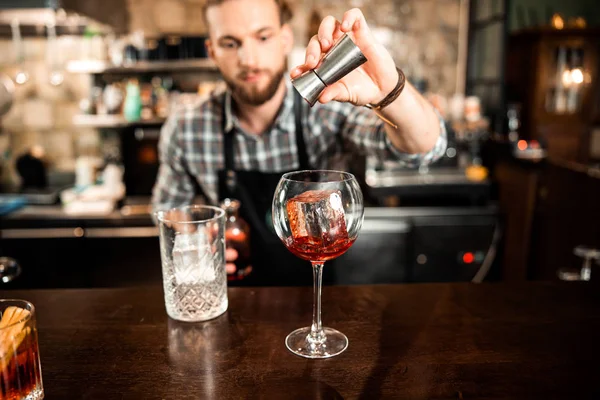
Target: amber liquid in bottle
237	236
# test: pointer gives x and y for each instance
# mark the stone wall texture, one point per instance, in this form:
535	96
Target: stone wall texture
421	35
42	113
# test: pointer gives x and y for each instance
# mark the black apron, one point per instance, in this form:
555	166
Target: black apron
272	263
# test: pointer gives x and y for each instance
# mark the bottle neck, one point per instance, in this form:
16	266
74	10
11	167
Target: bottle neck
232	214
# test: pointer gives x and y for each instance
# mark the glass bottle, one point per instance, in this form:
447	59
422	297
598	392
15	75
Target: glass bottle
237	236
132	109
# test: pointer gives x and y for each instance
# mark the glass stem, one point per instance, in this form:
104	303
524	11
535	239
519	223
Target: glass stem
586	271
316	329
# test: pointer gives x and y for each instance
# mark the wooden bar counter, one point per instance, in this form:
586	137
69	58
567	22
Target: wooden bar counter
420	341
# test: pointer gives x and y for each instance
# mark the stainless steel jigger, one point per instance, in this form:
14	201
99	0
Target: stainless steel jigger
340	60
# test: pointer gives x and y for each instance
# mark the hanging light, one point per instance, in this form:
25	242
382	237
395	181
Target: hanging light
577	76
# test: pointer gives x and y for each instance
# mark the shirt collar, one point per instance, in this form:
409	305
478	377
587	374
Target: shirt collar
231	120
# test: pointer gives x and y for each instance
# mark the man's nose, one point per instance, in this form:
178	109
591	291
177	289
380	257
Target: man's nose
247	54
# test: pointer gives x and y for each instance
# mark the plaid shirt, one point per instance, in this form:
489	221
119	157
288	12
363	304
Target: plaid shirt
191	141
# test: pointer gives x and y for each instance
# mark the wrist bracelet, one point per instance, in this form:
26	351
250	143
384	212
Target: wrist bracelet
393	95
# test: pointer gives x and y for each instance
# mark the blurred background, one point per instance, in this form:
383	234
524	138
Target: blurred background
86	85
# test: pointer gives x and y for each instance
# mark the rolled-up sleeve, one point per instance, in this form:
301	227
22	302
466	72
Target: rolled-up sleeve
173	186
365	131
418	159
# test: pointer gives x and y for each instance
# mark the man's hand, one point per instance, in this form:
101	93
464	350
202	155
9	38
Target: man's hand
369	83
230	256
176	219
413	125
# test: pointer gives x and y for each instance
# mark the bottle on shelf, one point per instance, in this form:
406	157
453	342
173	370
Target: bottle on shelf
132	109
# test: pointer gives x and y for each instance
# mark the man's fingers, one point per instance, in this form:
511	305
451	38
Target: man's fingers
338	91
354	21
313	53
326	33
230	268
330	93
299	70
231	255
311	58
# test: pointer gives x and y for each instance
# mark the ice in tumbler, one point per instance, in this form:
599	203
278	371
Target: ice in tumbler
192	252
193	258
317	216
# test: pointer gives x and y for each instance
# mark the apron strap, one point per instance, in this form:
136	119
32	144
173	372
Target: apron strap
228	147
230	177
235	190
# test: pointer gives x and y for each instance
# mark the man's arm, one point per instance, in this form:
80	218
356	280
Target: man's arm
366	133
418	127
173	186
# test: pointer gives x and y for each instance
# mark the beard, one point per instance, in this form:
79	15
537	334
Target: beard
253	95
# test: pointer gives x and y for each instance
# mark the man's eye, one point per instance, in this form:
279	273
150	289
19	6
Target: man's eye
264	38
229	45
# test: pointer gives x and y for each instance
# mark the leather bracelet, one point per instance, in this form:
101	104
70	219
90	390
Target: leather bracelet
393	95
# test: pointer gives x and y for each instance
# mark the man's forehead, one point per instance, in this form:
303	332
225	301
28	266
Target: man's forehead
241	17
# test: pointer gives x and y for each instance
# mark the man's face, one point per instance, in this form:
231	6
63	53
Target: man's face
249	46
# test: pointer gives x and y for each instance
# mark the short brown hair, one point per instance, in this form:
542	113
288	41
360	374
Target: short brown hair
285	12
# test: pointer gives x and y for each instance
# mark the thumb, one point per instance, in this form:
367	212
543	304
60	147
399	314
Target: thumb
337	91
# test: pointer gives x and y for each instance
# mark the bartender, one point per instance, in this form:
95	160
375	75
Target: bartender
239	142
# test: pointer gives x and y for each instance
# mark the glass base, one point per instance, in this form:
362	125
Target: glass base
569	274
36	394
333	343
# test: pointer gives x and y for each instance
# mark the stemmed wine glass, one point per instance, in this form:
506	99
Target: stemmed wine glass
317	215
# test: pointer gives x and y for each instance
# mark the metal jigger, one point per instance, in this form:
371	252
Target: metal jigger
340	60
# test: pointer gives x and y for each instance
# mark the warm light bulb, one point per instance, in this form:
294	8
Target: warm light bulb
557	21
577	76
